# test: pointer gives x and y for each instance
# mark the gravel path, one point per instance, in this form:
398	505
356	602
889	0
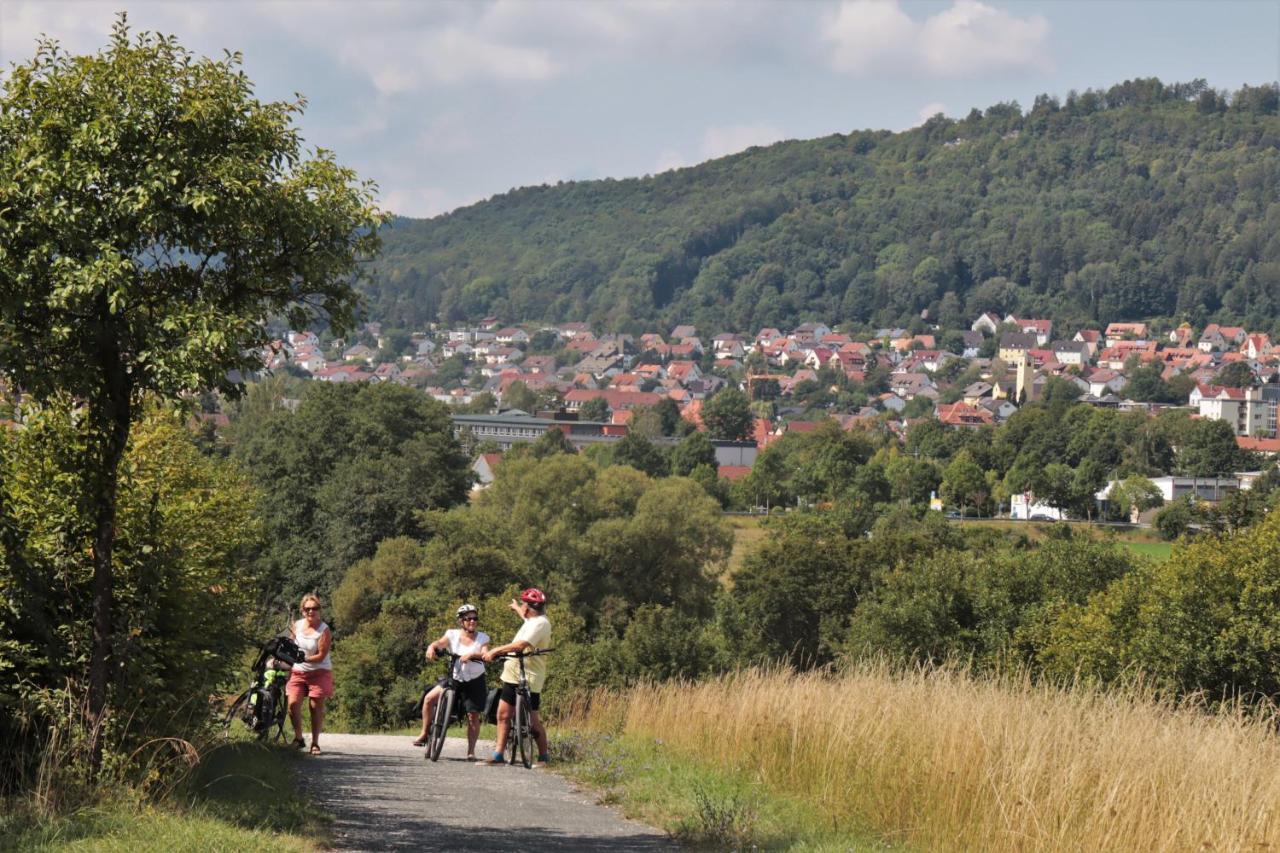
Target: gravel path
386	796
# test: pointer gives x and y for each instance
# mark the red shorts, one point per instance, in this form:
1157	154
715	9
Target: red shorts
317	684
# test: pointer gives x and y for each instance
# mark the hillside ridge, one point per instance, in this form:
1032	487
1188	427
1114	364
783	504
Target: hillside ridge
1142	201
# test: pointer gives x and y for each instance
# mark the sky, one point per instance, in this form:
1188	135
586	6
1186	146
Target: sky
446	103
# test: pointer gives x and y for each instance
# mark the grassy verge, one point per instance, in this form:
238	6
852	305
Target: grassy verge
747	534
241	796
1158	551
943	760
701	805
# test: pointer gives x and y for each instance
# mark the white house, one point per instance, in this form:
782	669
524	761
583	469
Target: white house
1024	506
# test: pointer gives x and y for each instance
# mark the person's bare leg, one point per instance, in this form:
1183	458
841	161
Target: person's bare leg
428	708
295	715
317	721
539	733
504	723
473	732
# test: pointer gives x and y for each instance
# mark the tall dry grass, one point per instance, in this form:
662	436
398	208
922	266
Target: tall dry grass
945	760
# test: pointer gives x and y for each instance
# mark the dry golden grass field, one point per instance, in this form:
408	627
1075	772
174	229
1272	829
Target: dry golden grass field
942	760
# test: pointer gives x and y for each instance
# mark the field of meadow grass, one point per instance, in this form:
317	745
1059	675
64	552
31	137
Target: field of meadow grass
941	759
237	796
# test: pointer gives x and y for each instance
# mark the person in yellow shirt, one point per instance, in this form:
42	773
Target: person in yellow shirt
534	635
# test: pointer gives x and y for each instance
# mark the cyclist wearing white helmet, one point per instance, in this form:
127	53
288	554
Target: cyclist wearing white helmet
468	671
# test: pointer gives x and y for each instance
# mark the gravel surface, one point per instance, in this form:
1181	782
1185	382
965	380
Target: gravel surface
386	796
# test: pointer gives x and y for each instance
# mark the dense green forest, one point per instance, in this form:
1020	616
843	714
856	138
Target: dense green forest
1143	200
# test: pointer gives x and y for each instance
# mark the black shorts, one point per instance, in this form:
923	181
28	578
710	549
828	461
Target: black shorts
471	693
509	696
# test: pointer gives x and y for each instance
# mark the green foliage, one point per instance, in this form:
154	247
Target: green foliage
1175	519
549	443
694	450
353	465
988	606
187	527
640	453
1208	449
1135	492
596	409
155	213
1203	620
1103	207
518	396
727	415
623	557
963	483
1237	374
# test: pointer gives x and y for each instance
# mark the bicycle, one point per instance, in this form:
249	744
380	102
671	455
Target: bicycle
263	704
442	717
521	739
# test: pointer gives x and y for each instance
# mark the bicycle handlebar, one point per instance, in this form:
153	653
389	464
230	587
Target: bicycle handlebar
523	654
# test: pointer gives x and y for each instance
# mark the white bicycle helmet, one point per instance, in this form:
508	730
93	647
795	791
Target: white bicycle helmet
467	608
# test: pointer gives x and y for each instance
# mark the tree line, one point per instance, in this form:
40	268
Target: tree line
1143	200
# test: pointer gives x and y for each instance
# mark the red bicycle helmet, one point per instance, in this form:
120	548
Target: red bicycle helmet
533	595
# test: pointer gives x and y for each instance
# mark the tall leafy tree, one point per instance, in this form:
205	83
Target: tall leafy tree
154	214
595	409
963	482
693	450
728	415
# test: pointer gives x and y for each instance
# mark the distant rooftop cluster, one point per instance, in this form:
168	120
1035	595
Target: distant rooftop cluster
962	377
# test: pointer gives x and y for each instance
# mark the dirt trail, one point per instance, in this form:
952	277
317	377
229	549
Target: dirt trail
387	797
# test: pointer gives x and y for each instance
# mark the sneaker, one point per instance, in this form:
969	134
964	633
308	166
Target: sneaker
495	760
542	761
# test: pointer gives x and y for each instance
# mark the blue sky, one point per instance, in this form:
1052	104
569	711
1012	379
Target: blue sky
446	103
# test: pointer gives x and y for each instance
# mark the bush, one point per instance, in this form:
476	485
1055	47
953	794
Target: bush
187	525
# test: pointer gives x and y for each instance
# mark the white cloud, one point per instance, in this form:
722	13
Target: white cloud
930	110
868	33
423	201
720	141
965	38
668	160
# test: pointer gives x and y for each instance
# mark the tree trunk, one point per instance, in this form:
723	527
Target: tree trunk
111	416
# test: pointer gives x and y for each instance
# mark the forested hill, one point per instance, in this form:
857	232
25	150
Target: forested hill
1141	201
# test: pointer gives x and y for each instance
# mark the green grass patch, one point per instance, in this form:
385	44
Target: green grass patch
1158	551
241	796
699	806
747	533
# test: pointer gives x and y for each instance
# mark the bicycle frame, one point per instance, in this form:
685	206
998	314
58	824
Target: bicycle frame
520	737
442	715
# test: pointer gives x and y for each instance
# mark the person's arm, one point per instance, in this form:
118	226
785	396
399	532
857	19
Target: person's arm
476	654
322	647
438	645
516	645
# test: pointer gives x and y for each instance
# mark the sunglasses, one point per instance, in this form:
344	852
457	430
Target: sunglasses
470	619
311	610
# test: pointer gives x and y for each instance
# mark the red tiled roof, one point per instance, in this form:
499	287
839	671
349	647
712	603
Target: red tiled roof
734	473
1261	445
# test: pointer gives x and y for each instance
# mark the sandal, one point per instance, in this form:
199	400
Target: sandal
420	742
299	743
315	750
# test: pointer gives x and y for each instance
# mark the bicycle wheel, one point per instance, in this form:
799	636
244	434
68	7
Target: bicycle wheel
282	712
523	732
236	710
264	715
440	723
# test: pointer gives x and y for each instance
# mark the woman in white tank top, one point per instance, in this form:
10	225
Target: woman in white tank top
313	678
469	642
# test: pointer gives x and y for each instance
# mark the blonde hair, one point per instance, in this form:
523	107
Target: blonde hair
311	596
